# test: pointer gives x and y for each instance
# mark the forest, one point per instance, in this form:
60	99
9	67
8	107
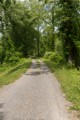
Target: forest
40	28
44	29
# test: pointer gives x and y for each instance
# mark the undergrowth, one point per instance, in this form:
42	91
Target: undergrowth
10	72
69	79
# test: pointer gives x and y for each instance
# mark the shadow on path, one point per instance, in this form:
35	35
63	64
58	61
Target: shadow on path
35	73
37	69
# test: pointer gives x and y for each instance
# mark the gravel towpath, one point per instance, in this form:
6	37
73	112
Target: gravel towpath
35	96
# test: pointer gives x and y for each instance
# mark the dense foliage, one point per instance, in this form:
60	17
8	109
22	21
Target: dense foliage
17	31
69	28
33	27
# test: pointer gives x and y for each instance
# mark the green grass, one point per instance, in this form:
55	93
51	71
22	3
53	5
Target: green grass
69	80
11	72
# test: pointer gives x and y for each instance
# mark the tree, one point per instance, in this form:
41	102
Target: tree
67	13
18	30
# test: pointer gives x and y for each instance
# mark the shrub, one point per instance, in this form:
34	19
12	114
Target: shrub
56	58
12	57
70	66
47	54
18	54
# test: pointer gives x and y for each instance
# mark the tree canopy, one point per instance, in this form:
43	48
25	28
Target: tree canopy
32	27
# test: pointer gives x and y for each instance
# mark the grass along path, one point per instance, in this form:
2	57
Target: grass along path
70	82
10	72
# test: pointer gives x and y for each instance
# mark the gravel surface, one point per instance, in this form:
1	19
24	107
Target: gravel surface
35	96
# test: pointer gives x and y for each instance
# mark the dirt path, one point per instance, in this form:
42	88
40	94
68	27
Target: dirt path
35	96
